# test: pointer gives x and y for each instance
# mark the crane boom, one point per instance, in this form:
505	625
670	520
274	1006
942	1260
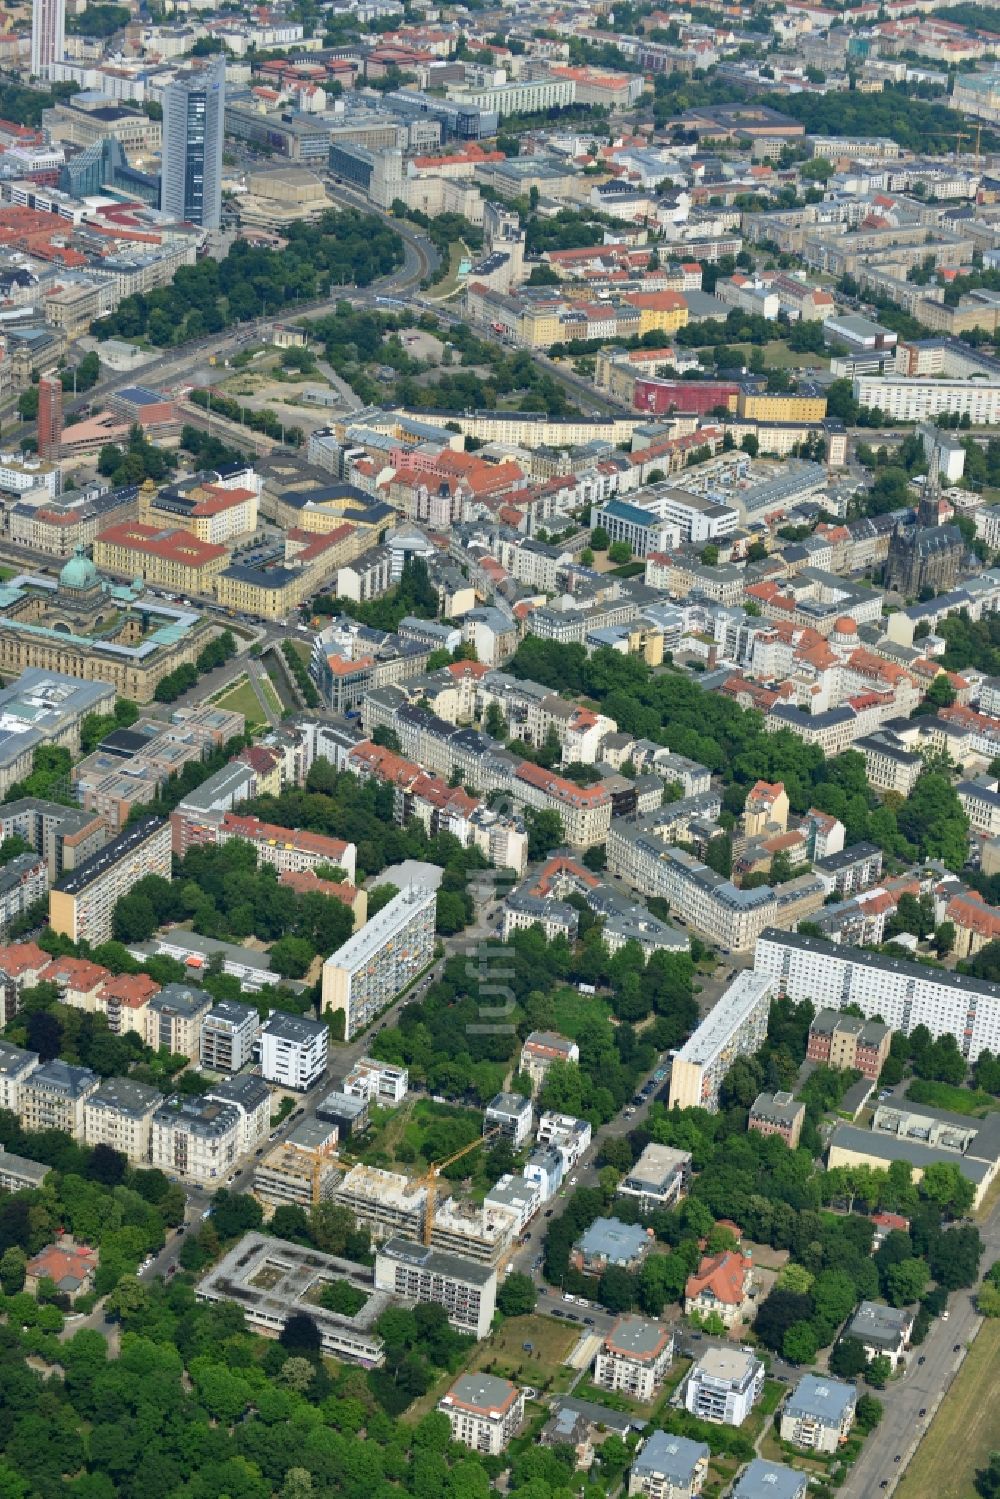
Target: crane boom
430	1178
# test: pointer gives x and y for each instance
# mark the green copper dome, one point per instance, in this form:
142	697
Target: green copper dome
79	572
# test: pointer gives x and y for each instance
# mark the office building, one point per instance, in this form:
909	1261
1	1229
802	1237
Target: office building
81	904
724	1386
195	1138
512	1115
120	1114
365	975
16	1065
658	1179
274	1279
847	1042
348	1111
669	1467
465	1289
50	391
819	1413
250	1096
634	1358
778	1114
735	1027
174	1018
193	114
48	35
902	994
53	1097
484	1412
764	1480
293	1050
228	1034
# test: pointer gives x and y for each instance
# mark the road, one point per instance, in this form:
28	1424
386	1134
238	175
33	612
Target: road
932	1367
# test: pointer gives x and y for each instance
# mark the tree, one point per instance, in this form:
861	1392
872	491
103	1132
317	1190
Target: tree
545	832
599	539
778	1313
868	1413
988	1479
800	1344
301	1335
710	555
940	694
906	1281
878	1371
848	1358
13	1263
619	552
516	1296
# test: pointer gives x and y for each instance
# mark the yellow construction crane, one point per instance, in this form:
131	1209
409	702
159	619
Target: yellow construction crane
960	136
430	1176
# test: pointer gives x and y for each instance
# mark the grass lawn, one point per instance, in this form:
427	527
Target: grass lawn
957	1100
457	252
414	1136
270	695
964	1431
6	573
544	1366
778	356
303	651
571	1011
241	698
502	1353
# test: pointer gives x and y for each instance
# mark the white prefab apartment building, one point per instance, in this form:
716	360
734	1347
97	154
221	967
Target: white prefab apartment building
484	1411
634	1358
906	398
466	1290
293	1050
902	993
724	1385
367	973
736	1027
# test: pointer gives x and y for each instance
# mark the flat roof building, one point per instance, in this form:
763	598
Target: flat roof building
365	975
485	1412
465	1289
293	1050
735	1027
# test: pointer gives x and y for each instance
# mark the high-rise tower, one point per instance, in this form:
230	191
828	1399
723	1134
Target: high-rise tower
193	125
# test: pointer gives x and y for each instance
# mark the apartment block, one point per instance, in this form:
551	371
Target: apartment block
228	1034
724	1386
195	1138
21	963
290	1175
123	999
18	1174
174	1018
764	1480
909	399
64	836
365	975
736	1027
120	1114
778	1114
250	1096
16	1066
53	1096
465	1289
639	854
387	1203
512	1115
540	1050
634	1358
848	1042
81	904
377	1082
669	1467
293	1050
903	994
658	1179
819	1413
484	1412
288	850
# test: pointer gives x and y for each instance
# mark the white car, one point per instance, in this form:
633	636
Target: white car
573	1180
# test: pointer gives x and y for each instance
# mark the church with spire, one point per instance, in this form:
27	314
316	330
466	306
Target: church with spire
926	553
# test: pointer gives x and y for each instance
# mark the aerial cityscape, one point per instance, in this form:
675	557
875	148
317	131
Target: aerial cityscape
500	749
